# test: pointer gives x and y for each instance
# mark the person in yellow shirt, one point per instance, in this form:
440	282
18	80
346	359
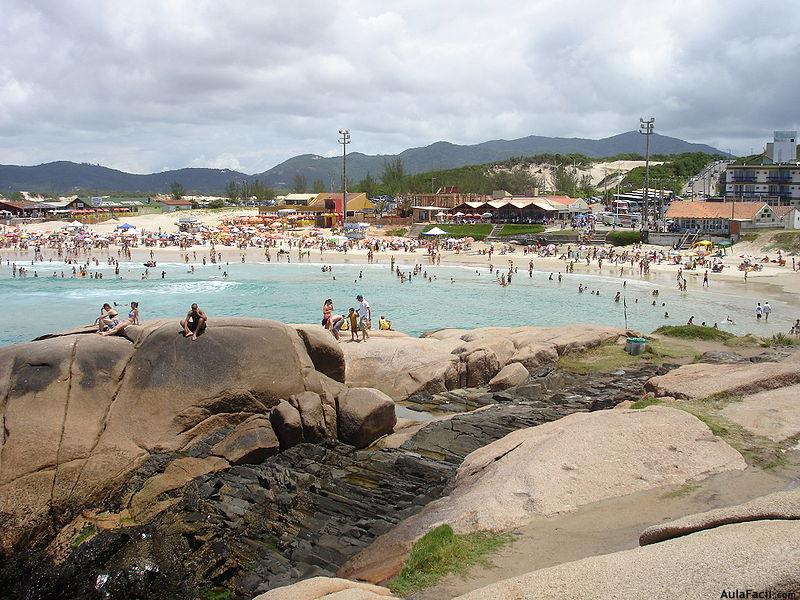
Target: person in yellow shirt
384	324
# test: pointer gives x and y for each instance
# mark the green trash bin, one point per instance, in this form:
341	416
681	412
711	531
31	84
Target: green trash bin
635	345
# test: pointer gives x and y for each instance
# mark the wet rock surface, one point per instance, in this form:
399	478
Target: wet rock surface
303	512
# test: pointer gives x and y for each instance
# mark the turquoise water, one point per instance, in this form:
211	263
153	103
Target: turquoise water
31	307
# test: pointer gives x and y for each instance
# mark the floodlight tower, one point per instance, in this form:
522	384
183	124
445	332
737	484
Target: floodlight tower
646	128
344	139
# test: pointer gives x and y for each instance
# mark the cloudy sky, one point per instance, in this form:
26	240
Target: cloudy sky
150	85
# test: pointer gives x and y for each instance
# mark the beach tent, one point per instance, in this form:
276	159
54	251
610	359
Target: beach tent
434	231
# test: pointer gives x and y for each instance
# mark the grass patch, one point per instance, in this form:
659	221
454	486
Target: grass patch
694	332
788	241
478	231
748	237
681	491
87	533
645	402
611	357
215	594
624	238
441	552
397	232
512	230
743	341
780	339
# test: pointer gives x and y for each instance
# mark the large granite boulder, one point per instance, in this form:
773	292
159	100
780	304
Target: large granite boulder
317	414
447	359
772	414
558	467
777	506
287	424
81	412
511	375
365	414
324	350
758	556
701	380
251	442
318	588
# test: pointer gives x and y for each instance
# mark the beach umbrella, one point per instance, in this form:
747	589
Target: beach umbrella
459	214
487	215
435	231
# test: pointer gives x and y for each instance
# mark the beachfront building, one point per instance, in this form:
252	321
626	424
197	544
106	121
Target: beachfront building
168	205
523	209
445	199
325	209
774	177
789	216
722	218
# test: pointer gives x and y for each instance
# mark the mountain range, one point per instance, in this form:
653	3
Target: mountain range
65	176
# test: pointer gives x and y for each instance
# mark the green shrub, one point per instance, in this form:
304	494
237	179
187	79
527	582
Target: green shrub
694	332
780	339
397	232
440	552
624	238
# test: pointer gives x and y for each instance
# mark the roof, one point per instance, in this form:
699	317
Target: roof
714	210
782	211
21	204
173	202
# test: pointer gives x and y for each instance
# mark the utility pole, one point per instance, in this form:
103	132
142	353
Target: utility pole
344	139
646	128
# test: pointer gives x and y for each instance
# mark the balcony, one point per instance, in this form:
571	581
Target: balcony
743	179
785	178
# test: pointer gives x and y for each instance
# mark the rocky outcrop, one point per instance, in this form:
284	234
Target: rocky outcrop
253	441
772	414
81	412
701	380
365	414
323	349
511	375
557	467
286	423
401	366
746	556
778	506
318	588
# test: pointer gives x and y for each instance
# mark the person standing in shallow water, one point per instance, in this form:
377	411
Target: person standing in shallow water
195	322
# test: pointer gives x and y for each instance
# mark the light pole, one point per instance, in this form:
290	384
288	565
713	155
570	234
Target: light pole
344	139
646	129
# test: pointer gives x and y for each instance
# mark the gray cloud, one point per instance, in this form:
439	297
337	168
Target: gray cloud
148	85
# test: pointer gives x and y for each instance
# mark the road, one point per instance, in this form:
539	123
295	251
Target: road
705	183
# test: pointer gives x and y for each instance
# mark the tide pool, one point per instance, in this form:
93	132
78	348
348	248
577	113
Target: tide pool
294	293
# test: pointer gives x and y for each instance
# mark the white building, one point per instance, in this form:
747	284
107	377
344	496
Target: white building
774	178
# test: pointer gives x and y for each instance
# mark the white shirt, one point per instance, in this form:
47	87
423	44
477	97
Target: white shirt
767	308
363	309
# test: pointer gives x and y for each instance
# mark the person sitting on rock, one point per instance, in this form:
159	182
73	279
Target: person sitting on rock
384	324
133	319
195	322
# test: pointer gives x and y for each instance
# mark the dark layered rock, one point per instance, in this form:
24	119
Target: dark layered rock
303	512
